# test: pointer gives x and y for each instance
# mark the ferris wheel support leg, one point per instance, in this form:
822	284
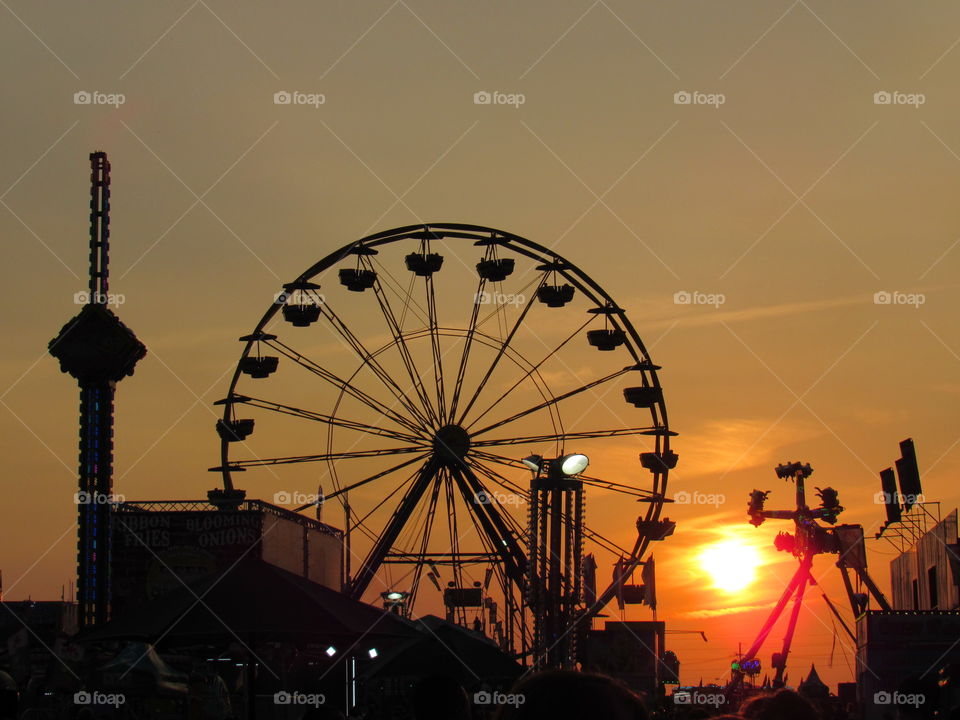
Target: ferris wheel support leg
499	535
359	583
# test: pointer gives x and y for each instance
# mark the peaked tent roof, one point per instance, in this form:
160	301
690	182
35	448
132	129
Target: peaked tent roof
813	681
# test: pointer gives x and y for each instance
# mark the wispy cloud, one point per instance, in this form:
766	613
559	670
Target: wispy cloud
726	445
759	312
726	611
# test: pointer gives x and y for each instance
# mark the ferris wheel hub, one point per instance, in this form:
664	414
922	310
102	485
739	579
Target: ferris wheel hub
451	444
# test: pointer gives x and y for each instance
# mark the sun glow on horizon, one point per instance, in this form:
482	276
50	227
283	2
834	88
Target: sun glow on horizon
731	564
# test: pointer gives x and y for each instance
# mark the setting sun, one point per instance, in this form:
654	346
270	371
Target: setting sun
731	564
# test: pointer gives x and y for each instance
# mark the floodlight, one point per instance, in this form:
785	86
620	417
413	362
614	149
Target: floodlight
331	651
573	464
534	462
372	653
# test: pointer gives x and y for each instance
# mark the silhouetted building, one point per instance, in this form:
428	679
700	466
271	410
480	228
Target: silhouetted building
900	652
629	651
161	545
925	576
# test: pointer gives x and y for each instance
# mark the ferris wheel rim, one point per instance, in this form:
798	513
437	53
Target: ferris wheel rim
523	246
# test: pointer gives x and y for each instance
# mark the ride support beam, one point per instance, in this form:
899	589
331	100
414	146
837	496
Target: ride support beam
794	617
771	620
358	585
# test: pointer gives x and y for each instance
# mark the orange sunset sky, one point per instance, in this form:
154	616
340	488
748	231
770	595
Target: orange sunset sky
786	185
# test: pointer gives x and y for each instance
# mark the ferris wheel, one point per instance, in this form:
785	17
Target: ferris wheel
409	372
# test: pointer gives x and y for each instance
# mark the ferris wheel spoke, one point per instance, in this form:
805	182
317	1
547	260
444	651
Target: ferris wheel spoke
370	361
362	521
553	401
401	514
327	419
435	348
582	435
506	484
405	296
346	455
467	344
376	476
354	392
500	352
534	368
400	342
495	527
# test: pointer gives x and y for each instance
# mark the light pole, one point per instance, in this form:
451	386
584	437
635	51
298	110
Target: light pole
554	583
